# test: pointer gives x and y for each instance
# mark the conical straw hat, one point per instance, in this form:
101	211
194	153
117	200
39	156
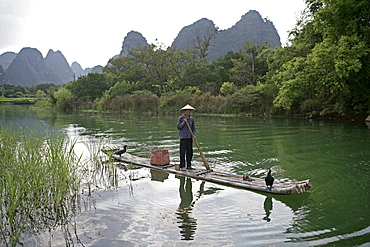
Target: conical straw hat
188	107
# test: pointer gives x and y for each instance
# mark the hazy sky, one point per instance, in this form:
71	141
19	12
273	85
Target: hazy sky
92	31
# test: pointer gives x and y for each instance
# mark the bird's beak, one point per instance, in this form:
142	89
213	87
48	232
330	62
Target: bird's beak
267	170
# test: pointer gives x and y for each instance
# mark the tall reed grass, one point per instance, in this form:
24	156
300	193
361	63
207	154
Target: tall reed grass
38	182
98	170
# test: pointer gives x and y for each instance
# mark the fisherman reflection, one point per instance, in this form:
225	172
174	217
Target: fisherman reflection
187	224
267	205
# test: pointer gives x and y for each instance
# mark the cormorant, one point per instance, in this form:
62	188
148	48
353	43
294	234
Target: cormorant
122	151
269	179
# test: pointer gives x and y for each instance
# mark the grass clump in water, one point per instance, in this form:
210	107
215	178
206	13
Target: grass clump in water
38	183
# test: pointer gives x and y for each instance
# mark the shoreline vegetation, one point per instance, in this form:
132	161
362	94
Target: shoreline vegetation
17	101
39	184
42	180
145	102
206	105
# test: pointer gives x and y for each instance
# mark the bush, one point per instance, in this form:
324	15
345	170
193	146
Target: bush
120	88
227	88
255	100
18	95
43	103
205	103
63	98
139	102
144	101
9	94
172	103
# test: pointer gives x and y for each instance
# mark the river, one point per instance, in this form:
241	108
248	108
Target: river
140	207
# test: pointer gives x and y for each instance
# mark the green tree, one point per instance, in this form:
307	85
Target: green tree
256	100
89	87
152	67
223	64
125	68
9	86
154	61
227	88
203	77
64	99
20	89
252	66
326	69
19	95
9	94
179	62
202	40
120	88
40	94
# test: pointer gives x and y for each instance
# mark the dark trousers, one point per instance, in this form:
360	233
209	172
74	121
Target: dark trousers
186	148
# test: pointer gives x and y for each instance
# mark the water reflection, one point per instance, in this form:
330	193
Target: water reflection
187	223
158	175
267	205
333	154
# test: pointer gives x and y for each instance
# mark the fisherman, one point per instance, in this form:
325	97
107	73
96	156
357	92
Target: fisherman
185	136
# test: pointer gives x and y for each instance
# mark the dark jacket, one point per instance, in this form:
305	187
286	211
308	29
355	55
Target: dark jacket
183	128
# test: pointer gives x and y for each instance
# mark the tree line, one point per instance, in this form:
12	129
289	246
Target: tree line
38	91
323	72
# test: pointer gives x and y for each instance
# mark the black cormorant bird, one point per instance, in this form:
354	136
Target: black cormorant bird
269	179
122	151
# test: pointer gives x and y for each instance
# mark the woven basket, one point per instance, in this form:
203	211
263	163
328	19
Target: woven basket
159	157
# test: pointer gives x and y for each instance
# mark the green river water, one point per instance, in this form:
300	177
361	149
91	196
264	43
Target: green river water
140	207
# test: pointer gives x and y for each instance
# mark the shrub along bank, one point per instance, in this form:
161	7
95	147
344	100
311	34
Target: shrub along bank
243	102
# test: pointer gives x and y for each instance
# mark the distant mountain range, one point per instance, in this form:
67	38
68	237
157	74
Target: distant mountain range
251	27
28	67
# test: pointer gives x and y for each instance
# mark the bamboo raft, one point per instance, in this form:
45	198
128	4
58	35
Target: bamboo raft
257	184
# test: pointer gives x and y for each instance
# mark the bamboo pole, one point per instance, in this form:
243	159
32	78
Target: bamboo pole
200	151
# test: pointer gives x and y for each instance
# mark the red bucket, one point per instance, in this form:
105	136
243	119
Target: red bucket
159	157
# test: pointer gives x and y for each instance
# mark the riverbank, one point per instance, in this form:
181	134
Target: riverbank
207	104
17	101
